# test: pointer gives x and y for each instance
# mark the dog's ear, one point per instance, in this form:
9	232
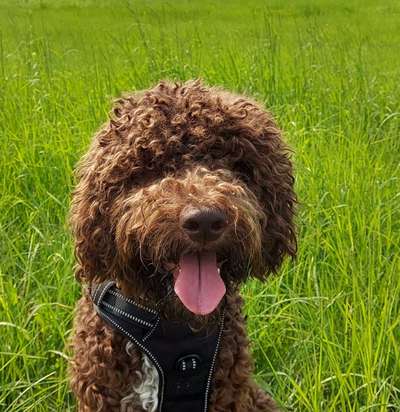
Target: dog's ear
89	216
274	176
279	200
266	167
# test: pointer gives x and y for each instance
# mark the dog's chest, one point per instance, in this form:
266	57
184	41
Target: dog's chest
178	364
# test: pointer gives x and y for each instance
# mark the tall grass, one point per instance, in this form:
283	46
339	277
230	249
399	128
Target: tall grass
325	333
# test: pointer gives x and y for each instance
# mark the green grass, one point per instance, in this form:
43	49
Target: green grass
325	333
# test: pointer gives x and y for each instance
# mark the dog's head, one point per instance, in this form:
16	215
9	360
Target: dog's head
187	189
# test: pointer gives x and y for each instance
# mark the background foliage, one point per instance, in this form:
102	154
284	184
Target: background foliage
325	333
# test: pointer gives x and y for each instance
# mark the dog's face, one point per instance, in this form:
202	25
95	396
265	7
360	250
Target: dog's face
203	226
186	192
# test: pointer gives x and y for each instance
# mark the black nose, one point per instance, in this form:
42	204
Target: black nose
203	225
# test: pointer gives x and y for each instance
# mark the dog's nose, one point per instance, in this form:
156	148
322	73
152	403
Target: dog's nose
203	225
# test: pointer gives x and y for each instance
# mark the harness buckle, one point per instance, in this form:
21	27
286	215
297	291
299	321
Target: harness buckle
188	363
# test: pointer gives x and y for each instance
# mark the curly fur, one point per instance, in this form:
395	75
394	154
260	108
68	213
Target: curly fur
147	389
163	150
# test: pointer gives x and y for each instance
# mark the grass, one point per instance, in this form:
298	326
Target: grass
325	333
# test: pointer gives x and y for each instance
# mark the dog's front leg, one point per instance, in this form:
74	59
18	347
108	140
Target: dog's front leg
102	372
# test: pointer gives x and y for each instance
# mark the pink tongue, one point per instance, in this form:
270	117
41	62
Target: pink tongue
198	283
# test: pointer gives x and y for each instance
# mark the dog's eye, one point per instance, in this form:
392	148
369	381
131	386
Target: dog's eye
244	171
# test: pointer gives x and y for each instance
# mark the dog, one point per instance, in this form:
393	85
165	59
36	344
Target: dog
185	192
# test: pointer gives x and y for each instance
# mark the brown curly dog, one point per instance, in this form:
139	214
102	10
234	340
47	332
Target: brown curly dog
184	193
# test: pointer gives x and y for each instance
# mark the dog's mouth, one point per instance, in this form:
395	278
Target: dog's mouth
198	283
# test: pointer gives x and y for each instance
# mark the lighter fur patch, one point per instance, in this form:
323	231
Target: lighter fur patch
146	392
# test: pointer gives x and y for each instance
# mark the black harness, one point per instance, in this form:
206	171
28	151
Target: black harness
184	360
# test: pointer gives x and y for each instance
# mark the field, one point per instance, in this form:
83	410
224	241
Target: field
325	332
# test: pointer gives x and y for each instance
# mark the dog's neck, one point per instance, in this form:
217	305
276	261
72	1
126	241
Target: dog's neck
144	297
168	305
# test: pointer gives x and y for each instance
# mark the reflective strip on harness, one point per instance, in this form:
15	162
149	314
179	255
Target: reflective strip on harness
184	360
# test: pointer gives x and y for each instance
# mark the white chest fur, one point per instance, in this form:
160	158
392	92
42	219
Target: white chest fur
146	391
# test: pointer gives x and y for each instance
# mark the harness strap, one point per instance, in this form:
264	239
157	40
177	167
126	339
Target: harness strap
184	360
